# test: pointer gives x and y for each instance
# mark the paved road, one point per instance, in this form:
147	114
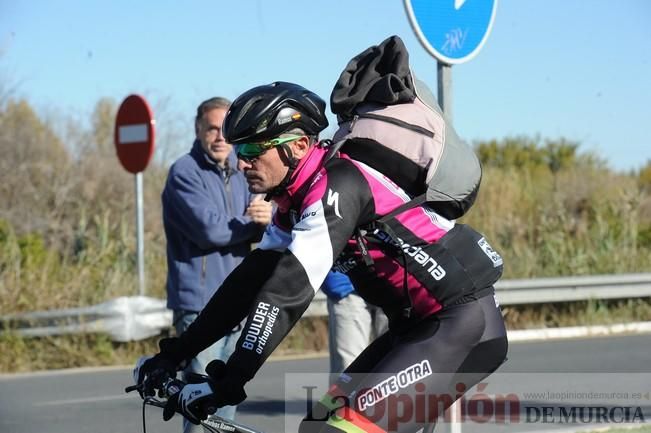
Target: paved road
91	401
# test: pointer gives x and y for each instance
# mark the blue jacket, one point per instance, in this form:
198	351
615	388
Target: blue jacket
207	232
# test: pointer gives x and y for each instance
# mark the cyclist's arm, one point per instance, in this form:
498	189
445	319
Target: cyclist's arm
231	303
276	283
330	213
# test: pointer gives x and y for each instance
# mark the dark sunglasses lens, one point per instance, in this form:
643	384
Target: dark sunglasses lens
249	150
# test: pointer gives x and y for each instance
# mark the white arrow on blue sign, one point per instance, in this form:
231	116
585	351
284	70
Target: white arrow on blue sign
453	31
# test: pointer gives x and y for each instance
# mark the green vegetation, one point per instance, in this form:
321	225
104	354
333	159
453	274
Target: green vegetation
552	211
67	235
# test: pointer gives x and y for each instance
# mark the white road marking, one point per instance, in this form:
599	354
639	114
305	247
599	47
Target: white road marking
83	400
526	335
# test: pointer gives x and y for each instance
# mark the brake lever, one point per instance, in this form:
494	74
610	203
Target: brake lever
131	388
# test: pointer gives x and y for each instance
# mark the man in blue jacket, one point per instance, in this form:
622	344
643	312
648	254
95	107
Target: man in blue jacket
210	220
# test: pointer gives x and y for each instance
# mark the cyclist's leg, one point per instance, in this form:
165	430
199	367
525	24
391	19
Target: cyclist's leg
413	384
493	344
338	410
414	381
316	418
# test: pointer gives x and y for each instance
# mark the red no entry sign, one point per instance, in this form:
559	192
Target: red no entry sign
134	134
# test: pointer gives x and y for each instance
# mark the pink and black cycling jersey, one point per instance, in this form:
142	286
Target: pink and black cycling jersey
343	196
416	265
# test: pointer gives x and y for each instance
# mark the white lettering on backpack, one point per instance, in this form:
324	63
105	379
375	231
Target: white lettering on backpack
333	198
417	253
490	252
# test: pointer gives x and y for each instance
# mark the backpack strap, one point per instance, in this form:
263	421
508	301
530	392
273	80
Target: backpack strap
382	224
414	202
333	149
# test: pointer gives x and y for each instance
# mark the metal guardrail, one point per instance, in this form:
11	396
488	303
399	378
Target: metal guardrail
124	319
540	290
139	317
545	290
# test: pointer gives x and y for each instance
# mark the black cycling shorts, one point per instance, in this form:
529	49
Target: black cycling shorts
402	382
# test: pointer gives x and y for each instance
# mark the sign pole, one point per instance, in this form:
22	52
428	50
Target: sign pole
444	80
453	32
140	234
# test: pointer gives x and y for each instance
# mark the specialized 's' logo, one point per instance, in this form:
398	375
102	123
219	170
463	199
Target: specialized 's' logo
333	200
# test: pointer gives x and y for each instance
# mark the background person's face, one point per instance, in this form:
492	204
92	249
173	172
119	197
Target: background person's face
209	133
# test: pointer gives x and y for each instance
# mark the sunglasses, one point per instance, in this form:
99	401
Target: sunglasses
249	152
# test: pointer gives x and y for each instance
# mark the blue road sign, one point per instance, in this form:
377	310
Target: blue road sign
453	31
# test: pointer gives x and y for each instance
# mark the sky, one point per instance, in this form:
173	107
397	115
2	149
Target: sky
578	69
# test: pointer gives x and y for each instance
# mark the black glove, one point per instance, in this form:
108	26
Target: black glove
198	400
151	372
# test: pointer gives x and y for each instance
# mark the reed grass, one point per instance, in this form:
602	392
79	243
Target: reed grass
67	230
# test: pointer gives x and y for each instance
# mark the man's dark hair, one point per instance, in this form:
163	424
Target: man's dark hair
211	104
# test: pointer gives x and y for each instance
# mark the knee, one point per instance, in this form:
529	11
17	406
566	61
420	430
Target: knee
504	348
498	350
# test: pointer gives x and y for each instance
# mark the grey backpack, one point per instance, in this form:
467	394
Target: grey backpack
391	121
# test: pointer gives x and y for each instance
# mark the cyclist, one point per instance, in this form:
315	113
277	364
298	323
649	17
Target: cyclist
432	277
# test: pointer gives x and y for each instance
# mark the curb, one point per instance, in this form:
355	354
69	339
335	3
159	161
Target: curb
524	335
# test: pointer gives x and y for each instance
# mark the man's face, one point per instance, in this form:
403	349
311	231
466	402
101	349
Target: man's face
209	133
266	171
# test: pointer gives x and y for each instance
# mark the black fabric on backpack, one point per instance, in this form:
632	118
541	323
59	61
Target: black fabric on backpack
380	74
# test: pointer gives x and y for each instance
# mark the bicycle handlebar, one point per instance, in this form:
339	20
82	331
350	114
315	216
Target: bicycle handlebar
172	386
169	387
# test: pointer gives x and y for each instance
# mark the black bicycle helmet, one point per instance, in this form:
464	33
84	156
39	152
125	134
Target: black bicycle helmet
265	112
